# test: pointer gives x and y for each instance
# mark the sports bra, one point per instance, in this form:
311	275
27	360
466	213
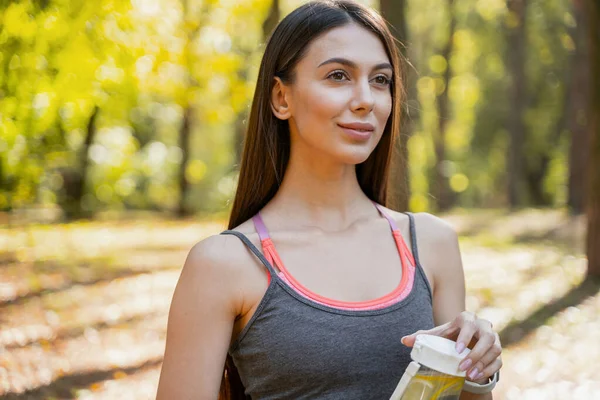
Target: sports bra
299	345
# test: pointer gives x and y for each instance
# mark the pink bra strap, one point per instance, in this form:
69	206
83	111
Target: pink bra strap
390	220
260	227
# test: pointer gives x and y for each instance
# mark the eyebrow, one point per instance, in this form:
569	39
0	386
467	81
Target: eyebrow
351	64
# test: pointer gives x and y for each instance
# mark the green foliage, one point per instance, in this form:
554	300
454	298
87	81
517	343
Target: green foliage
143	63
476	137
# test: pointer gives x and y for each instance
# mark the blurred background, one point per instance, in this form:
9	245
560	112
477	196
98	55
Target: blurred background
121	126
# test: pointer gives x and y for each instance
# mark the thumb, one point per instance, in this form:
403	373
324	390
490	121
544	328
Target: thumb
409	340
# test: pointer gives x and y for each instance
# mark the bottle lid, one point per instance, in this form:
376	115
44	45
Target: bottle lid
438	353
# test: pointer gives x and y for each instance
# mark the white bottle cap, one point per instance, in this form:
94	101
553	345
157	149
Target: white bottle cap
438	353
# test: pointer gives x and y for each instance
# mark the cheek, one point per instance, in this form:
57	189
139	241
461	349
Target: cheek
315	111
317	107
383	112
383	115
383	108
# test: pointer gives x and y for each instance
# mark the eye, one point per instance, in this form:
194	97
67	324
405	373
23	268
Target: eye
337	76
383	80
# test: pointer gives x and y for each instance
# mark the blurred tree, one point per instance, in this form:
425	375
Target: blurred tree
550	48
394	11
441	188
75	179
272	19
516	39
184	145
193	20
240	124
484	164
578	118
593	206
58	67
25	95
156	94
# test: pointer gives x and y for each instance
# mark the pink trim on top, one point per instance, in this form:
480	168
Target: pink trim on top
390	220
399	293
263	234
260	227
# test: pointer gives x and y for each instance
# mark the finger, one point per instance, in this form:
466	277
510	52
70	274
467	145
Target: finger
482	347
491	355
468	328
453	329
490	370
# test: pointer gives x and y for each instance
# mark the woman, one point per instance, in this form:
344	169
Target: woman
318	312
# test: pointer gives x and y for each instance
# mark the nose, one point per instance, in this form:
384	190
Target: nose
363	99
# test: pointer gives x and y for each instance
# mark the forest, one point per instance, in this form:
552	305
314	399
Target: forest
122	124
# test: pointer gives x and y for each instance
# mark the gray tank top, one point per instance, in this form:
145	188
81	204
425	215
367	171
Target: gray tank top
297	348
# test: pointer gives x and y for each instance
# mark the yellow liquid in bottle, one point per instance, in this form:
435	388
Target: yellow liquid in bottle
429	384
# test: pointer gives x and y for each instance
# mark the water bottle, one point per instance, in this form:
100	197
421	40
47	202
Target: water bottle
433	374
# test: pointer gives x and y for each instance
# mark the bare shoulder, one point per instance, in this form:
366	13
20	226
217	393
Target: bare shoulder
437	244
226	261
213	259
437	240
219	254
434	228
224	251
428	226
440	258
208	298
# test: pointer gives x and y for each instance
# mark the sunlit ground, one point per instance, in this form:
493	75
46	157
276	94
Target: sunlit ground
83	306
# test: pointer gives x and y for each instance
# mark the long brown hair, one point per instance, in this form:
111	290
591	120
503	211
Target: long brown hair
267	143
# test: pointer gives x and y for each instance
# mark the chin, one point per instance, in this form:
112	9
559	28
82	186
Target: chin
355	155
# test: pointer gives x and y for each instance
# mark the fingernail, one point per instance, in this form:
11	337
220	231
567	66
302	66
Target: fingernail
460	346
465	364
479	376
474	373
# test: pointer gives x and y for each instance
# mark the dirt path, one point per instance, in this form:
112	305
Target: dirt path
71	326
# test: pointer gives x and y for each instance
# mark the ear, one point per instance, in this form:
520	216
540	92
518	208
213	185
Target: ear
279	100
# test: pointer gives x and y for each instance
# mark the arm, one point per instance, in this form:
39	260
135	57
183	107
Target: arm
441	254
200	324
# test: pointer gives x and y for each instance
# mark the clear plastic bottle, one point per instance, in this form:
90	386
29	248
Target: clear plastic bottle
433	374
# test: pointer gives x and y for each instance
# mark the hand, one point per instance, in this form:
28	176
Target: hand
484	359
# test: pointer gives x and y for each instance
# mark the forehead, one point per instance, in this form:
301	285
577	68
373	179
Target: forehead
350	41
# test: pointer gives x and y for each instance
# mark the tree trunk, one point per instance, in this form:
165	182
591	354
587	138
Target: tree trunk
578	118
192	28
536	173
593	206
272	19
85	160
534	181
240	122
184	145
443	194
394	11
516	67
572	119
75	182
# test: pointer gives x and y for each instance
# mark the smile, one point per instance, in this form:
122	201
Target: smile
357	131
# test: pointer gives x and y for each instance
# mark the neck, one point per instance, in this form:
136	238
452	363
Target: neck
319	192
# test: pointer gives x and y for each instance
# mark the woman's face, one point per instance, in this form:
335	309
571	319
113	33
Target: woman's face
340	100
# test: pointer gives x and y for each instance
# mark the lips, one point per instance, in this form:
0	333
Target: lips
358	131
358	126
